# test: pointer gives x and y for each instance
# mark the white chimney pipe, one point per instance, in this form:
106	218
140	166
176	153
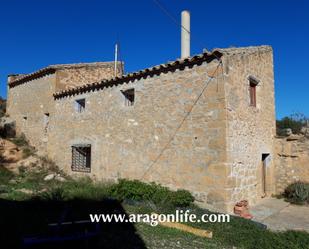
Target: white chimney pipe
116	59
185	34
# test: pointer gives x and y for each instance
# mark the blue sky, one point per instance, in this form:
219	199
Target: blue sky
36	33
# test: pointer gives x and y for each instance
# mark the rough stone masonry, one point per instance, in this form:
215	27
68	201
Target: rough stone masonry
205	123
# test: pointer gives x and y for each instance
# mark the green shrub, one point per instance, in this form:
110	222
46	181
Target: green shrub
5	175
132	190
4	189
159	195
297	193
85	189
55	194
181	198
33	180
295	121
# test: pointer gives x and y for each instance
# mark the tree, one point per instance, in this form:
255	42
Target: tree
295	121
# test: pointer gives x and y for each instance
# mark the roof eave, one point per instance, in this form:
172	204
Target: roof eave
156	70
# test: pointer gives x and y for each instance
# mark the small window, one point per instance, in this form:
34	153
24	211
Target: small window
46	121
253	82
25	118
80	105
129	96
252	95
81	158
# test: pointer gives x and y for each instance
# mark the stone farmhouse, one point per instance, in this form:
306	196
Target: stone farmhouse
204	123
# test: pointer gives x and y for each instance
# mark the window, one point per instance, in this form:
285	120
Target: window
252	95
80	105
128	97
253	82
25	118
46	121
81	157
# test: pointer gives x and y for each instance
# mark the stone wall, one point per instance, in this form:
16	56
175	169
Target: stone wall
292	161
190	128
78	76
156	139
28	104
31	104
251	130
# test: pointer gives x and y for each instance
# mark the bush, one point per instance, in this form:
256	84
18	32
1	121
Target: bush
296	121
297	193
159	195
181	198
55	194
132	190
5	175
124	190
85	189
81	189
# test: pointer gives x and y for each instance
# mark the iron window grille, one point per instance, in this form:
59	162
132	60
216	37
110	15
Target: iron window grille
81	158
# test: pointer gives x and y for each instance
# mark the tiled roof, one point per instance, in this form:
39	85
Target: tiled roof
180	63
52	69
156	70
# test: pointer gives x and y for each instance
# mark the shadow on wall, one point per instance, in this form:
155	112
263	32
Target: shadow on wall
25	223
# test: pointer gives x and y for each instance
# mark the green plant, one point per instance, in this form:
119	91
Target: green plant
132	190
55	194
295	121
181	198
139	191
297	192
85	189
5	175
4	189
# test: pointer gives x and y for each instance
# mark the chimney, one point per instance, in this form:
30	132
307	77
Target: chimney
116	60
185	34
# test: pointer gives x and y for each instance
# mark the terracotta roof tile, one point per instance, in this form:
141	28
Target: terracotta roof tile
52	69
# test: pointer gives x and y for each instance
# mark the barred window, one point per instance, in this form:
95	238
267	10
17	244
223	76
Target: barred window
81	158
